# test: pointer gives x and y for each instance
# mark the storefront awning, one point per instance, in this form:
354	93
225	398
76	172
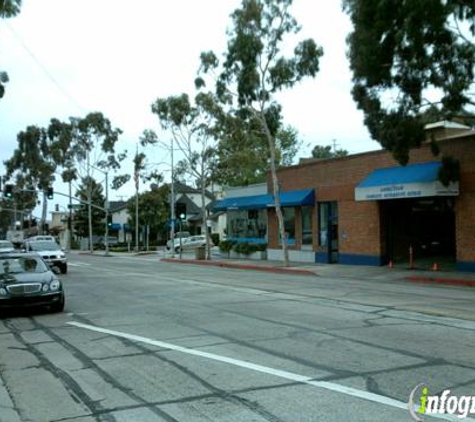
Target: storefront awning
255	202
295	198
412	181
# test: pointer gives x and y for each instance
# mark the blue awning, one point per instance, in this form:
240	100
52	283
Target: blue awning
296	198
412	181
255	202
293	198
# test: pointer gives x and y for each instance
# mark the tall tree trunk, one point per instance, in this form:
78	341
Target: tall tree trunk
203	213
276	189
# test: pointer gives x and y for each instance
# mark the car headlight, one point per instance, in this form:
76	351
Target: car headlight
45	287
3	292
54	285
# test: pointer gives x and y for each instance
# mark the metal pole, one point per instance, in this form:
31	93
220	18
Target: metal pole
172	205
70	218
107	215
89	206
181	229
136	201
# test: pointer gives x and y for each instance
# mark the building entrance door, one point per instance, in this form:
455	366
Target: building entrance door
328	224
425	225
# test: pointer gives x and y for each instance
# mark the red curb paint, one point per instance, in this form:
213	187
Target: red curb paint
278	270
452	281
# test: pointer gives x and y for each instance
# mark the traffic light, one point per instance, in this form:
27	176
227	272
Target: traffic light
109	221
180	210
50	193
8	192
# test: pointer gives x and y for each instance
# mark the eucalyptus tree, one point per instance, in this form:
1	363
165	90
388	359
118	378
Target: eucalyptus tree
32	167
408	57
243	153
255	69
8	9
91	150
192	127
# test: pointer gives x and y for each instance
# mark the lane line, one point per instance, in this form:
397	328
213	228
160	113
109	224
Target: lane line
365	395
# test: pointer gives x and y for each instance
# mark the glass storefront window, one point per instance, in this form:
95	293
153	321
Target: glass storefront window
289	223
247	224
307	232
323	224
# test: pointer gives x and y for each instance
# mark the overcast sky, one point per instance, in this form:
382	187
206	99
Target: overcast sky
70	57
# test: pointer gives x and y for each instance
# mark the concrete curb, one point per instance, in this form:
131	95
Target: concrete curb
449	281
98	254
142	253
278	270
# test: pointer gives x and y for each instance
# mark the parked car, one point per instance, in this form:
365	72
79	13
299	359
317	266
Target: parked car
178	236
100	242
191	242
51	252
26	280
41	238
6	246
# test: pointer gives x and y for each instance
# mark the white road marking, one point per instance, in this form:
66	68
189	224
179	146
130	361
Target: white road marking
365	395
79	264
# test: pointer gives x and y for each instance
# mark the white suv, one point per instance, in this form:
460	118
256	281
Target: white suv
51	252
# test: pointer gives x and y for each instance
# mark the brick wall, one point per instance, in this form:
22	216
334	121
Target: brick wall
359	222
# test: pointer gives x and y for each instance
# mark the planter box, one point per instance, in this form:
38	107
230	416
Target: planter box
256	256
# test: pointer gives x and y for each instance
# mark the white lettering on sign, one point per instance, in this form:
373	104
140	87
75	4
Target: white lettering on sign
408	190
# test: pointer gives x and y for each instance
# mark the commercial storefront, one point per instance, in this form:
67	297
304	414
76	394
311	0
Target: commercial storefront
247	215
369	210
366	209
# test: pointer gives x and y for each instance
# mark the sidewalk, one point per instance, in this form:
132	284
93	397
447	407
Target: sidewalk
382	273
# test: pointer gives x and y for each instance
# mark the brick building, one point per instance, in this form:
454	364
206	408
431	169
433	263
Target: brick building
369	210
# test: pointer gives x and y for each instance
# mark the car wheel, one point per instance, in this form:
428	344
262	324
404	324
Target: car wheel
64	269
59	306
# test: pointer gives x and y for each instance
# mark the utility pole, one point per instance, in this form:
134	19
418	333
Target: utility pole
70	218
136	176
334	145
172	204
107	215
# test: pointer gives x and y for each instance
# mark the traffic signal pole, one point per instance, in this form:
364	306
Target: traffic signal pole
107	216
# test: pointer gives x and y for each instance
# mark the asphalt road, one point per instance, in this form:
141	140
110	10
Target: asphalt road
142	340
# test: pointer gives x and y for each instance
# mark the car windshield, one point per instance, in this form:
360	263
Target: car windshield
16	265
43	246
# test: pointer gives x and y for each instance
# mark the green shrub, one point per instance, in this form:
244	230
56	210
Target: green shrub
215	238
119	249
226	246
248	248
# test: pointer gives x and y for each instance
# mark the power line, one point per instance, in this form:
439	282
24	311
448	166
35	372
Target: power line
43	68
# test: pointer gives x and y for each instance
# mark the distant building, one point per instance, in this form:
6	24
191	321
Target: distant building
120	218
